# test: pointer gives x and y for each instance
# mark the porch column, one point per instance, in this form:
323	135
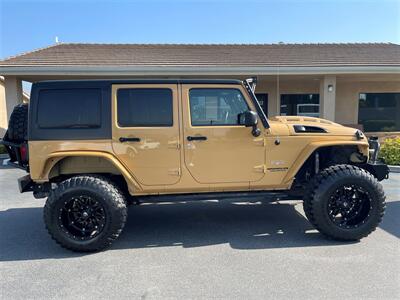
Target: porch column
327	95
10	95
3	111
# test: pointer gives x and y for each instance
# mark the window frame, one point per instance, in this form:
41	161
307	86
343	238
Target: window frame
213	88
118	124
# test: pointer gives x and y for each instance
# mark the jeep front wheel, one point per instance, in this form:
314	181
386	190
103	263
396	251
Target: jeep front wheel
85	213
344	202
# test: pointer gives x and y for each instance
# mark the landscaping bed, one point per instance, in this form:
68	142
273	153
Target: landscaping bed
2	149
390	151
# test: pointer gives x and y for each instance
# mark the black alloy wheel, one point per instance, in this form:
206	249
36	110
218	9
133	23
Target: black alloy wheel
349	206
82	217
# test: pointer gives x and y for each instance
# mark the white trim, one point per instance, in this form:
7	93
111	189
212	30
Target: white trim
191	70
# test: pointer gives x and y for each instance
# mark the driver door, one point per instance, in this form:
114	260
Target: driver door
216	148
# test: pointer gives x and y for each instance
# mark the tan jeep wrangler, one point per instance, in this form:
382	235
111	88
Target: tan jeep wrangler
93	147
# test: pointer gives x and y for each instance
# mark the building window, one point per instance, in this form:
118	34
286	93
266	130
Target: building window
379	111
263	100
144	107
300	105
216	106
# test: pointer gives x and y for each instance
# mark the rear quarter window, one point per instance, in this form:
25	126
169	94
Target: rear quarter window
69	108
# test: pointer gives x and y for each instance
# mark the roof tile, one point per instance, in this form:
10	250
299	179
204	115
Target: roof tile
246	55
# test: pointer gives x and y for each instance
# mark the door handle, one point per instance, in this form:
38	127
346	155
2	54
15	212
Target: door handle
196	138
129	139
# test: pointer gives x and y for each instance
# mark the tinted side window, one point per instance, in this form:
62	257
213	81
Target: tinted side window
144	107
69	108
216	106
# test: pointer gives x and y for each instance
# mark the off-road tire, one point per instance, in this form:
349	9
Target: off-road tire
306	207
322	187
104	191
18	124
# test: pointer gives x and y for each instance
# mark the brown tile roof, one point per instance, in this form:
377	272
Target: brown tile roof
239	55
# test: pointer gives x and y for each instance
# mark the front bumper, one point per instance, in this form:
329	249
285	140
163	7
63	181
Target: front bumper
376	167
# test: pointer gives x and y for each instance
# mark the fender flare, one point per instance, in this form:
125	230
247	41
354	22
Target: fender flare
55	157
310	148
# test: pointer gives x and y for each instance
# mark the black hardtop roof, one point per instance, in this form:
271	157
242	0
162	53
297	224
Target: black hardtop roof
106	82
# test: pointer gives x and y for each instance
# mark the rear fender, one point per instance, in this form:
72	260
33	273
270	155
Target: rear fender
55	157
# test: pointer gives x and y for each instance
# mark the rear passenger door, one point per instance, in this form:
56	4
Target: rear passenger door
146	131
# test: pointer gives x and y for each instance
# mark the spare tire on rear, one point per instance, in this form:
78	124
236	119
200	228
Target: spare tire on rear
18	124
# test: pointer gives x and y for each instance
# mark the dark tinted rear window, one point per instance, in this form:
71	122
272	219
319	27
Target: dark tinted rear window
144	107
69	108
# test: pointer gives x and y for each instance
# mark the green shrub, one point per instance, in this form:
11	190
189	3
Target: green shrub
390	151
2	149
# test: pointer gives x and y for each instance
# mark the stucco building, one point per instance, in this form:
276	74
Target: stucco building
352	84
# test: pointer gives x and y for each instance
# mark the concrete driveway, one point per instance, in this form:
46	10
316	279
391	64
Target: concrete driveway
211	249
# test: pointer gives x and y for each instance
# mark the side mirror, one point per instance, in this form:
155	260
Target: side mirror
249	119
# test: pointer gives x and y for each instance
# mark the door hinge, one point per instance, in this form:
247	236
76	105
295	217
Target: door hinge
260	141
260	169
174	145
174	172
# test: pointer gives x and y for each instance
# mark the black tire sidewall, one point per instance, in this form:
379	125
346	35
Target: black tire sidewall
326	183
353	233
115	218
59	205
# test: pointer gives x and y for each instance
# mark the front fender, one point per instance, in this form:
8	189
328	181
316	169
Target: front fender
310	148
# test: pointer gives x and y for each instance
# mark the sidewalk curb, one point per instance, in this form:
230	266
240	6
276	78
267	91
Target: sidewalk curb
3	156
394	169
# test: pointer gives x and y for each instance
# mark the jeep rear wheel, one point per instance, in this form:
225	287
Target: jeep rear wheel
344	202
85	213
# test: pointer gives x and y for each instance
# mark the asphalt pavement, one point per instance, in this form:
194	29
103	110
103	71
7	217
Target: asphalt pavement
228	249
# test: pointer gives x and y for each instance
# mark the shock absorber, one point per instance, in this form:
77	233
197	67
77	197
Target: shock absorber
316	163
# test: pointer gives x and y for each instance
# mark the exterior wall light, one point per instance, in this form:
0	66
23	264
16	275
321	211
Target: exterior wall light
330	88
